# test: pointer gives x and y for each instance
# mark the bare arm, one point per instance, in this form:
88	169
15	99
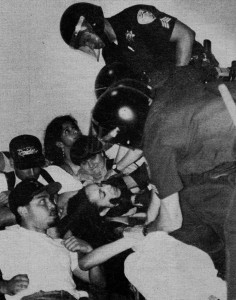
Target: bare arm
184	38
164	214
95	274
154	207
103	253
170	216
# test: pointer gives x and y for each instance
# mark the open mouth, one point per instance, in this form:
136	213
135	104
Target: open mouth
53	213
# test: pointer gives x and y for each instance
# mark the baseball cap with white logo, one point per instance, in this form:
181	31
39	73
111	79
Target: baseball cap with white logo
26	152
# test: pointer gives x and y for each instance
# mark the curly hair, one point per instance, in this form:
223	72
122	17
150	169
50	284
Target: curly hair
53	134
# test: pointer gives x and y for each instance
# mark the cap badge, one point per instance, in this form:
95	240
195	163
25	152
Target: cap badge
129	36
27	151
145	17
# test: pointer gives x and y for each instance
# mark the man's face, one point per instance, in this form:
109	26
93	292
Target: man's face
70	133
88	38
41	212
91	40
95	167
102	194
88	41
28	173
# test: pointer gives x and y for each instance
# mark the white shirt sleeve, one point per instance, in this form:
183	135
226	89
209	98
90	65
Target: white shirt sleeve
3	183
7	165
68	182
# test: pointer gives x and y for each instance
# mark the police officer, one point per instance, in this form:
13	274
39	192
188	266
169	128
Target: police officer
145	39
188	139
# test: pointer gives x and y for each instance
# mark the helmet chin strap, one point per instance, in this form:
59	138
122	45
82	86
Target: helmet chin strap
92	52
97	53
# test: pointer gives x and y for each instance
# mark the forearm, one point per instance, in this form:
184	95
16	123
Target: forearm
96	276
153	209
184	37
183	53
170	216
103	253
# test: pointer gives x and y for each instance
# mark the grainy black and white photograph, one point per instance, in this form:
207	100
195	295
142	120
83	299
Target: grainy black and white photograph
118	150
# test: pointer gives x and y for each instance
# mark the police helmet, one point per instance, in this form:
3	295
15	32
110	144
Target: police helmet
124	108
93	14
136	84
109	75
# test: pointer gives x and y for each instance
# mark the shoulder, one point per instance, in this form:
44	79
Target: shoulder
68	182
8	233
5	162
135	13
3	183
56	171
136	8
53	168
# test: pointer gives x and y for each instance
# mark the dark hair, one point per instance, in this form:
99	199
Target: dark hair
84	221
53	134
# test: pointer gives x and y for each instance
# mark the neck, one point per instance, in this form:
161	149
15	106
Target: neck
32	227
72	166
67	153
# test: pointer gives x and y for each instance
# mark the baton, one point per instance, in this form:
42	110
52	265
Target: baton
229	101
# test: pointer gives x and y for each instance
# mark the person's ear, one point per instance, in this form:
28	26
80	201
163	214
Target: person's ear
59	144
22	211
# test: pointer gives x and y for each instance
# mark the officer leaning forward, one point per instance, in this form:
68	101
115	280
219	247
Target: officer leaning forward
148	41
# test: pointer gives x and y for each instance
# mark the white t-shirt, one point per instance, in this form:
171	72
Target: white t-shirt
7	166
46	261
67	181
163	268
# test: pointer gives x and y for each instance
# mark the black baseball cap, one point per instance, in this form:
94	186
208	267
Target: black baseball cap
84	148
24	192
26	152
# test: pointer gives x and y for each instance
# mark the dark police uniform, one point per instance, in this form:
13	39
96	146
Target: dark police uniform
190	145
143	34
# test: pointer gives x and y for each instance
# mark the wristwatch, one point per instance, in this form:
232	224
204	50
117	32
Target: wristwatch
114	168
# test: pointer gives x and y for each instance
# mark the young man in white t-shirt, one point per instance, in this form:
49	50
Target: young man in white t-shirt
34	265
27	160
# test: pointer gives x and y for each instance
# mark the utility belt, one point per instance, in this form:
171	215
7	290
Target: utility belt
225	172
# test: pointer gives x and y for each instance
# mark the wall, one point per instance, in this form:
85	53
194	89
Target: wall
41	77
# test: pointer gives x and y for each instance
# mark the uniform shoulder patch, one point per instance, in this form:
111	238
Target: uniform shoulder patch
165	22
145	16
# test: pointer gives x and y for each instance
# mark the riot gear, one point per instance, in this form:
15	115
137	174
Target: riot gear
135	84
109	75
124	108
